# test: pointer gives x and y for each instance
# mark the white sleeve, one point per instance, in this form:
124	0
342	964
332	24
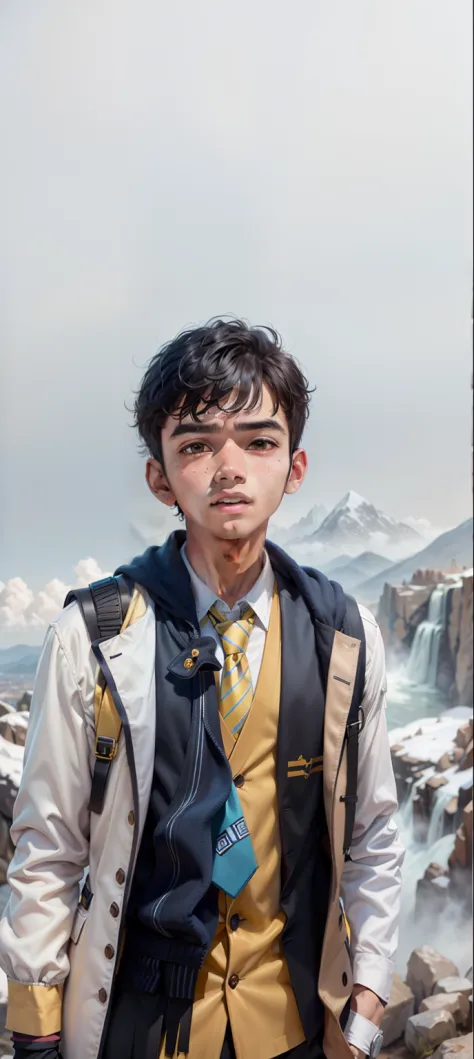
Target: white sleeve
371	880
50	826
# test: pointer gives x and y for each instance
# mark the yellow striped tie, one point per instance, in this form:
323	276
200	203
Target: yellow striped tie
235	691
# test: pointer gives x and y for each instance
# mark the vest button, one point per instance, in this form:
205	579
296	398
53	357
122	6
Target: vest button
235	658
131	818
344	978
109	952
233	981
102	994
114	910
239	780
234	922
120	877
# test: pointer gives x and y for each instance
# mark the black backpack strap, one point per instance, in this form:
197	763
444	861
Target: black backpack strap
353	626
103	606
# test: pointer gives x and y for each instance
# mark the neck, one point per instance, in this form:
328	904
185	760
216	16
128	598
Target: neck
229	567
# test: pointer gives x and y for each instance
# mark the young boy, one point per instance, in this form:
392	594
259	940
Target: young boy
215	821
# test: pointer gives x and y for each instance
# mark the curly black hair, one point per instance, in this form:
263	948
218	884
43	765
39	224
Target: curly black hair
205	366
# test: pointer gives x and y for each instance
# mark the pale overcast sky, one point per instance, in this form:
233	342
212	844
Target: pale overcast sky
304	164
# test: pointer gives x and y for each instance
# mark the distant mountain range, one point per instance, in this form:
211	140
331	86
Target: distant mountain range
19	660
352	572
455	544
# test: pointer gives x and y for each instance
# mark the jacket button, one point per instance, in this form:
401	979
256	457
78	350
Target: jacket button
102	994
114	910
233	981
239	780
120	877
131	818
109	952
234	922
344	978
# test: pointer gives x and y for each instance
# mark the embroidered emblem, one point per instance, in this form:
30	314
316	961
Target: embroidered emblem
232	834
305	768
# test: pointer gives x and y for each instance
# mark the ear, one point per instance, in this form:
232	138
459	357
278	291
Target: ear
158	483
299	466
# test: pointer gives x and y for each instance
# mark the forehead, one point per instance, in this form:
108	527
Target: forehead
223	415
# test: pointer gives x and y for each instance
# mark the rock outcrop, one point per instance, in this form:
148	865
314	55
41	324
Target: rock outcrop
455	676
430	1013
401	609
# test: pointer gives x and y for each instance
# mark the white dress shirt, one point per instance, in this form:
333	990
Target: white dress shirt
371	879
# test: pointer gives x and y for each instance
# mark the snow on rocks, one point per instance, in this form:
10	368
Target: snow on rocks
14	726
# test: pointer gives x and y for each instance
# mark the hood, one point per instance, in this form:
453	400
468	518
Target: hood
161	571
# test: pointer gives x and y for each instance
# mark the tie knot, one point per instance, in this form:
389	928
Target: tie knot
234	634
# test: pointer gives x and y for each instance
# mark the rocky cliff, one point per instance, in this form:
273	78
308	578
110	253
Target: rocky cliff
403	608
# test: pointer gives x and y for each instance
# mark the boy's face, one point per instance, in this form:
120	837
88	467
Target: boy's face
228	473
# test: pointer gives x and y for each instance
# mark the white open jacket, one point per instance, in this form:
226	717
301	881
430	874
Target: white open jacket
47	939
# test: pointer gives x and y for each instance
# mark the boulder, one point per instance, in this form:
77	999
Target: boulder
466	762
5	707
424	1032
426	967
464	735
457	1048
456	1003
25	701
444	763
399	1008
13	727
454	984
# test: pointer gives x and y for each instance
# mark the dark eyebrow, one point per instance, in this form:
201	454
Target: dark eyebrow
215	428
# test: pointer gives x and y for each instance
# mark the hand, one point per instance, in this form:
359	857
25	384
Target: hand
357	1052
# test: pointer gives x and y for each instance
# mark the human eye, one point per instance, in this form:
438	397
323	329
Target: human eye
193	448
263	444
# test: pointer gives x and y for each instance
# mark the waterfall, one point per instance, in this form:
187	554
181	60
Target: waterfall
423	662
435	830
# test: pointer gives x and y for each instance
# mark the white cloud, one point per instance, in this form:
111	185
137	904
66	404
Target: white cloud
21	609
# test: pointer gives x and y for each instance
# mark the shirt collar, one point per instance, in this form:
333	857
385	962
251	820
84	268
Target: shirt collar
259	597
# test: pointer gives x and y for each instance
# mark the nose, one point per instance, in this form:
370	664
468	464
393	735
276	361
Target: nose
231	463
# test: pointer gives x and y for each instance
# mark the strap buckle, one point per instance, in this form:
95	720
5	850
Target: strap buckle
357	726
105	748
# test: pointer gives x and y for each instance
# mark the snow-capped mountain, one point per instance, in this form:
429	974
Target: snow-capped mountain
298	530
354	523
354	526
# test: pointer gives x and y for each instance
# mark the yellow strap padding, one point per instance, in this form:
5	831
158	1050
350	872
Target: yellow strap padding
34	1009
107	720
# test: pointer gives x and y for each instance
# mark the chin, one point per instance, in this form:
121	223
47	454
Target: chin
235	529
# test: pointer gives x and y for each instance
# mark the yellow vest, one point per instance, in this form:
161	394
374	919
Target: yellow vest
245	978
